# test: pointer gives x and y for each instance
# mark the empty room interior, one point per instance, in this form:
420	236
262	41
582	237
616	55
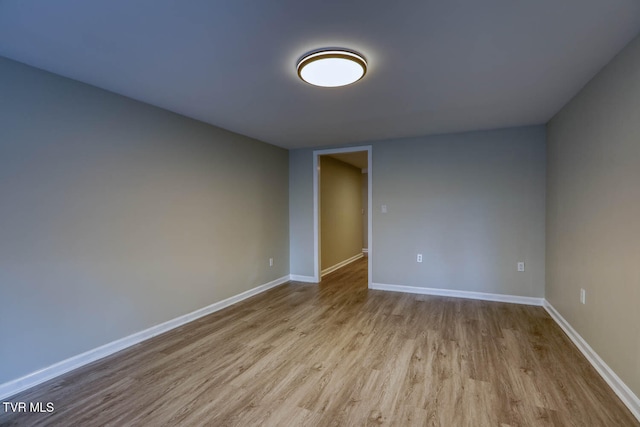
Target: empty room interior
320	213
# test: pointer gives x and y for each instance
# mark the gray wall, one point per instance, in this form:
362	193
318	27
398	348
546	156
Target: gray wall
593	214
473	204
117	216
340	211
301	212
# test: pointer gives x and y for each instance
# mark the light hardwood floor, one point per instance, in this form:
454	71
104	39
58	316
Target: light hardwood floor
340	354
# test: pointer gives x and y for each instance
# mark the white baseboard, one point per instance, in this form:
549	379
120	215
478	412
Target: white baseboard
304	279
365	250
341	264
625	394
13	387
515	299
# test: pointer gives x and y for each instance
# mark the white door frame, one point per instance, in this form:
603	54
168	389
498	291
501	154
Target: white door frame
316	215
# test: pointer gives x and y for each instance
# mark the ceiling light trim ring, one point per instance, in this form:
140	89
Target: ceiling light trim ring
318	55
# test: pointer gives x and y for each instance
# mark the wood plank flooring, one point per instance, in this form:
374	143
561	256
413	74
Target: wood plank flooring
338	354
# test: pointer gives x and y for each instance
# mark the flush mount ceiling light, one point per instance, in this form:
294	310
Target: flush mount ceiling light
332	68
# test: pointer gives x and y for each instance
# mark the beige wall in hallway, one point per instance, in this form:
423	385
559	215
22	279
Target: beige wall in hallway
340	211
593	213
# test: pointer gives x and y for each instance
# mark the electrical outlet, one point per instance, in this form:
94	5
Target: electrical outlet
419	258
384	208
270	262
521	266
583	296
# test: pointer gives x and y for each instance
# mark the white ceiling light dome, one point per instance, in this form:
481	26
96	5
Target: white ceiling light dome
332	67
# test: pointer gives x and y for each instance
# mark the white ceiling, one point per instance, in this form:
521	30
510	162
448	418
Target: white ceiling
434	65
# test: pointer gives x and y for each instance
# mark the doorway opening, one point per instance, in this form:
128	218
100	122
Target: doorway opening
342	243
